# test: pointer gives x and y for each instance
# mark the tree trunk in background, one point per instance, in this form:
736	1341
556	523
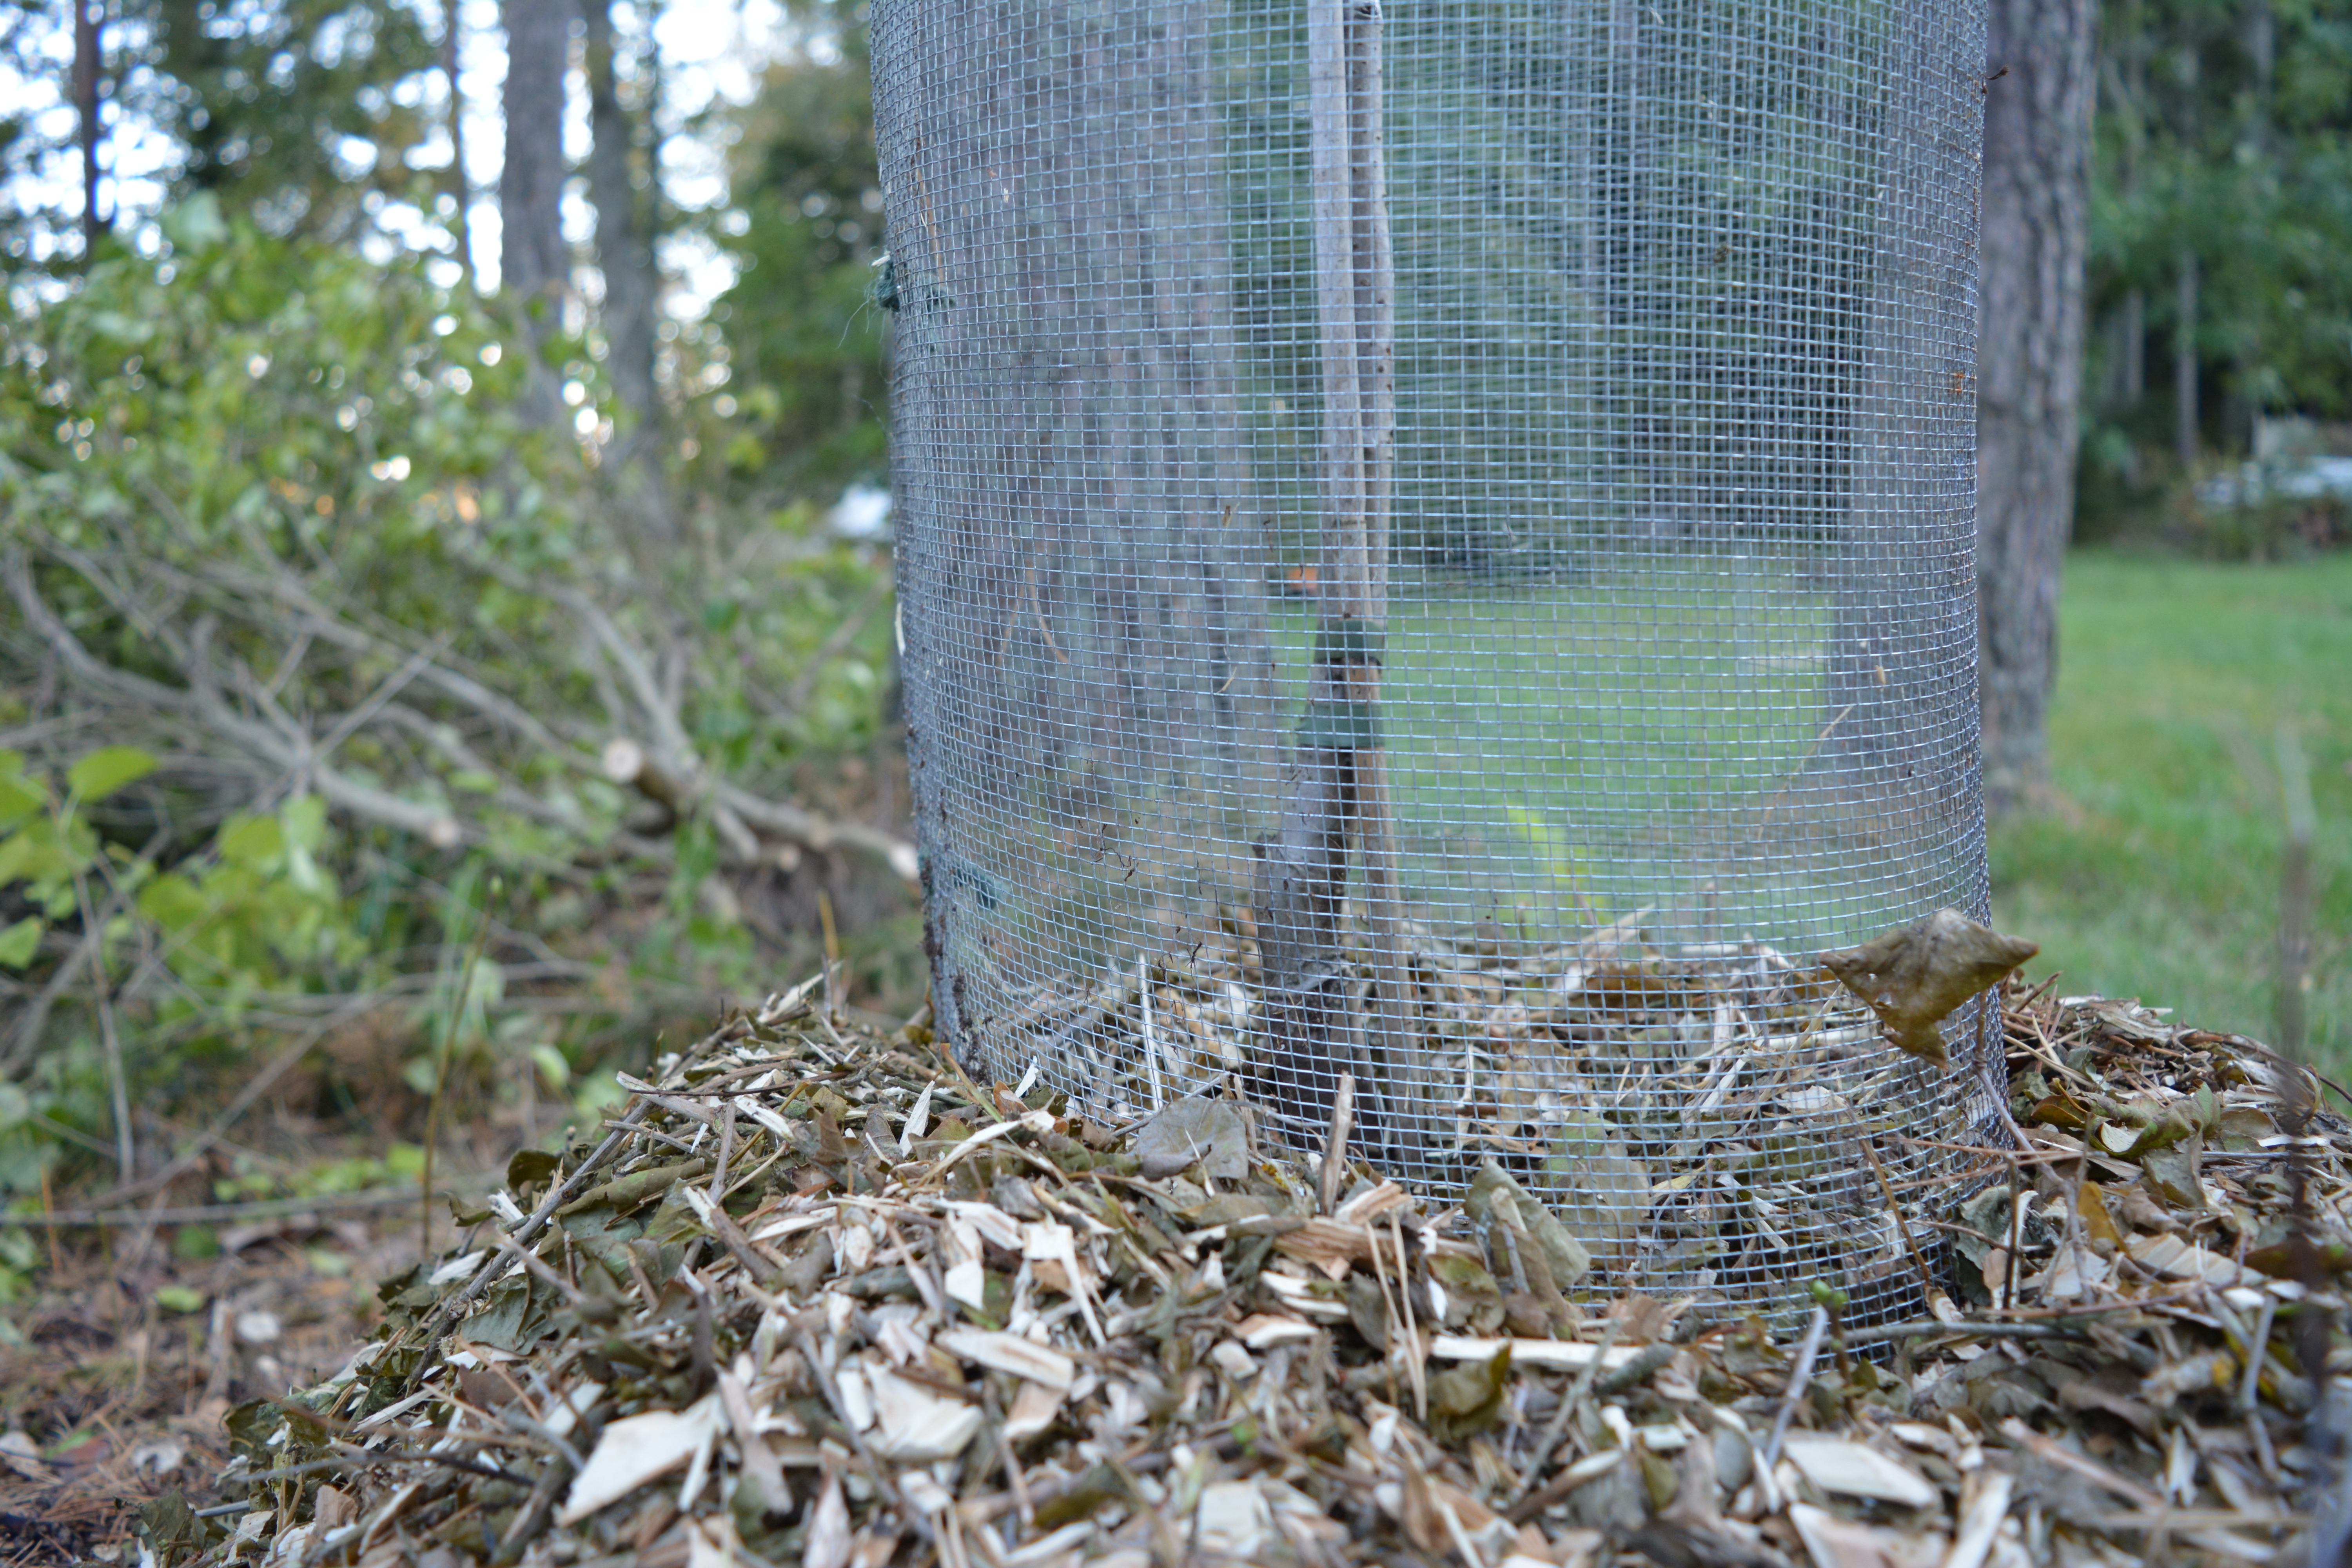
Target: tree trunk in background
535	269
89	62
2184	365
632	290
624	248
461	229
2029	368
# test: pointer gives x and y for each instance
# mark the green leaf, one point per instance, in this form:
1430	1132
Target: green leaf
178	1299
20	942
256	842
108	769
553	1066
20	797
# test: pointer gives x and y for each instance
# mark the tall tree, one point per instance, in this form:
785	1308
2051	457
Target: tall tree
2029	367
532	262
90	67
461	231
624	239
318	147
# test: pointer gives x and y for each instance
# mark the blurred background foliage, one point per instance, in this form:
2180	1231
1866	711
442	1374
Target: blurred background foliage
2220	304
317	623
315	628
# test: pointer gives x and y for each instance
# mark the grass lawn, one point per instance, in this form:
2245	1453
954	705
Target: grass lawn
2158	874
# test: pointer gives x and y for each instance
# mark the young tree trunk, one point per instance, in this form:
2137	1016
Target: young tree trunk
89	65
2029	368
1339	785
534	267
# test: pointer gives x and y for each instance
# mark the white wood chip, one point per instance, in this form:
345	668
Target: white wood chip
915	1426
917	1121
1010	1353
636	1449
1529	1352
1856	1469
1033	1409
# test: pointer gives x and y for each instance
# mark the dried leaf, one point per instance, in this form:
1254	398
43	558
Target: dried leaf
1915	977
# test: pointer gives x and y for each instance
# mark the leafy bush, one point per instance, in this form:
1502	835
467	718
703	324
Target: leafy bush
304	633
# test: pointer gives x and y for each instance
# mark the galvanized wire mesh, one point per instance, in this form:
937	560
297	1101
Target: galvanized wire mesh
1437	546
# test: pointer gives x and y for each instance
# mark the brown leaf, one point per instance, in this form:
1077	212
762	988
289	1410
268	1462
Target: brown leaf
1914	978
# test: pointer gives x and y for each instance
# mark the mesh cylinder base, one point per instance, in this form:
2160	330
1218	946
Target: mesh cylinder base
1435	546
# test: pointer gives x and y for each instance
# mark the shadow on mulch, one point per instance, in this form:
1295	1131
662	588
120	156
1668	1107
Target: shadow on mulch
109	1396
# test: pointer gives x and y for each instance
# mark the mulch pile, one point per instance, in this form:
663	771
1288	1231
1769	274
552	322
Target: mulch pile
815	1297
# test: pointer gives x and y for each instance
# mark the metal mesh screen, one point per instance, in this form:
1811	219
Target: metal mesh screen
1437	546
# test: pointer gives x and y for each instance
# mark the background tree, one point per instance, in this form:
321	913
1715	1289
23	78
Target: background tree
292	112
2029	367
534	264
2221	212
621	185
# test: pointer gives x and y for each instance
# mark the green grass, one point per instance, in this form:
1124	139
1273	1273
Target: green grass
2155	875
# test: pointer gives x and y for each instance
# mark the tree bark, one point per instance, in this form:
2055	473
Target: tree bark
460	188
534	267
2029	368
2184	365
624	248
90	64
1337	788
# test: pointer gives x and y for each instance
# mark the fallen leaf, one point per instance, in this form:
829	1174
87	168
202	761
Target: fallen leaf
1209	1131
1915	977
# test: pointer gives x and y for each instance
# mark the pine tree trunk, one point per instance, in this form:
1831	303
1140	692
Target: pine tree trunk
460	187
534	267
624	248
2184	365
632	291
89	63
2029	368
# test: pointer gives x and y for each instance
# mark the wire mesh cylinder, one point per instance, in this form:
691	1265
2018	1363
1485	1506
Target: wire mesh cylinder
1437	546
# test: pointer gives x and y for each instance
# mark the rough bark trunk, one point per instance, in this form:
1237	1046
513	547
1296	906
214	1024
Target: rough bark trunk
534	267
2029	368
624	248
632	290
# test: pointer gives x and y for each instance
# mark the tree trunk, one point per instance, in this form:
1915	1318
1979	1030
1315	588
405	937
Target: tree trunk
632	290
460	188
534	267
1339	787
2184	365
624	248
2029	368
90	64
